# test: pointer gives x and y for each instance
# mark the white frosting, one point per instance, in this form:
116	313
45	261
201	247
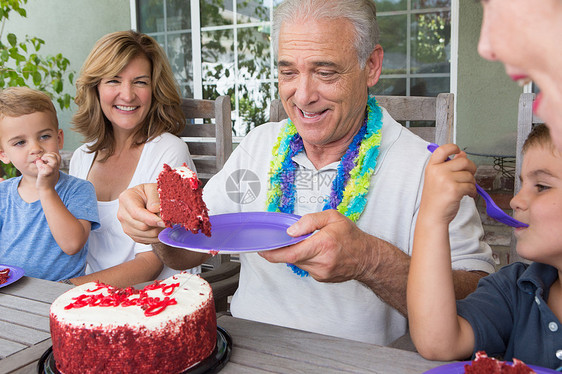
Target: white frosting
185	172
192	293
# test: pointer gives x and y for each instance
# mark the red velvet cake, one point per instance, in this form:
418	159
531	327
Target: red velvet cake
165	328
483	364
4	275
181	200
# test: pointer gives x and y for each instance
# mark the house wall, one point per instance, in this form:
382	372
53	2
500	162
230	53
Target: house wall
70	27
487	98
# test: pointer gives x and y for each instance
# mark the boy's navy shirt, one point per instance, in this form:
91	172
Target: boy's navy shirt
510	316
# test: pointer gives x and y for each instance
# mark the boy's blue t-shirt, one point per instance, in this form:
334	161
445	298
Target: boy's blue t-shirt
25	238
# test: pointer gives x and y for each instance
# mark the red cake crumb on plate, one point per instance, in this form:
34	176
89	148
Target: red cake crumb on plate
181	200
483	364
4	275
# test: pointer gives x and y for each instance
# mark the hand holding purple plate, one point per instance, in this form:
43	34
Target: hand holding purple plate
233	233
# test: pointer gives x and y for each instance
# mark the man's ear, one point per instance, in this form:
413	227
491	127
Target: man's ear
374	65
60	135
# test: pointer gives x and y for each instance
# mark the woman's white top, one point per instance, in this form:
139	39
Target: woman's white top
109	245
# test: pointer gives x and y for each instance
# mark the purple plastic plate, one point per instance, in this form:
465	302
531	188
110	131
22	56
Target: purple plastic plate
236	233
15	274
458	367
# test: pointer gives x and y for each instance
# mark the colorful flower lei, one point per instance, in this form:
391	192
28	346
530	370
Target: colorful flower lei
353	178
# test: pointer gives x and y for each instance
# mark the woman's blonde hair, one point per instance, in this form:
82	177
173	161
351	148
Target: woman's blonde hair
110	55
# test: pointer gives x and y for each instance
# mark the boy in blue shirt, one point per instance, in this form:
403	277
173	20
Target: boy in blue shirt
514	313
46	215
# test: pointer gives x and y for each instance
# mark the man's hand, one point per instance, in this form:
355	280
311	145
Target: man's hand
337	252
138	213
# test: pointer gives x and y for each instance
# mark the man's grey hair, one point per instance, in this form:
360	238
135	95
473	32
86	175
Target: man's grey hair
361	13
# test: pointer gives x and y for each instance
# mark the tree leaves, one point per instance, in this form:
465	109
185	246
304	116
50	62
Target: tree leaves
12	39
22	65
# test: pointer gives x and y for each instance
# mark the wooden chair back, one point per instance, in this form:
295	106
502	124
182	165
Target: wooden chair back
526	119
210	144
438	109
208	134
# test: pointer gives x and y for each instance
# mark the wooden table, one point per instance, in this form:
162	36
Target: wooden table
257	347
261	348
24	323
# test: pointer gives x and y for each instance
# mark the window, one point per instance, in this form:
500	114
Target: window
415	36
169	22
222	47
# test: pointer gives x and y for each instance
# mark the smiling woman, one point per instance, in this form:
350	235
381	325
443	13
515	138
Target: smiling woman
125	98
129	113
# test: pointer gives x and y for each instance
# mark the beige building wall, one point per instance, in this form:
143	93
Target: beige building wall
487	98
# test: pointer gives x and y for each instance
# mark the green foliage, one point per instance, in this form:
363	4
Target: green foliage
211	13
21	64
253	115
253	62
247	79
8	171
433	36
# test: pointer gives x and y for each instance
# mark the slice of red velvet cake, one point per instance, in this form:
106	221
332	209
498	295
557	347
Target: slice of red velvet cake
165	328
483	364
181	200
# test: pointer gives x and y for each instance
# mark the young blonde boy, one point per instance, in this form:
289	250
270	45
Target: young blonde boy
514	313
46	215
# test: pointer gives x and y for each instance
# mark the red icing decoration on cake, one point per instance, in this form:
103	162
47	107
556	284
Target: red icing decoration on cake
122	297
181	201
483	364
93	344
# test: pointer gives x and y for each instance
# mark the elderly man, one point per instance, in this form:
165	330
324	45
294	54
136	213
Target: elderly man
351	171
